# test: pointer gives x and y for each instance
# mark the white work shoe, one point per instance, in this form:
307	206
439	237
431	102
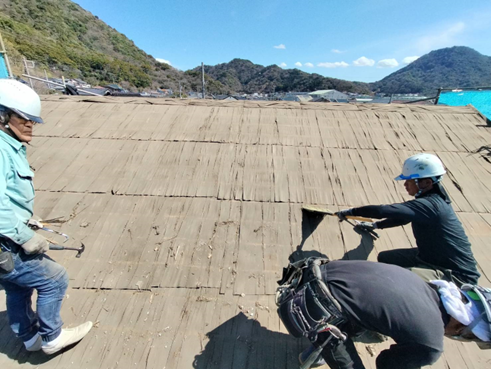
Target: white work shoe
67	337
34	344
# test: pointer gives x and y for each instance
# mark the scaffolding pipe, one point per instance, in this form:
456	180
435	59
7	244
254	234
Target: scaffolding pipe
58	84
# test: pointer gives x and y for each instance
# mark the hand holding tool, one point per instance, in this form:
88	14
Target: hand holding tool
36	224
36	245
319	209
362	226
81	249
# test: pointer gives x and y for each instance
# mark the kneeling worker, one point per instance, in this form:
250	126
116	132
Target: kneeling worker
443	249
24	266
364	295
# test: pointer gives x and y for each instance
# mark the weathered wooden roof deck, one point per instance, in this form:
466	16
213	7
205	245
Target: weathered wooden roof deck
190	209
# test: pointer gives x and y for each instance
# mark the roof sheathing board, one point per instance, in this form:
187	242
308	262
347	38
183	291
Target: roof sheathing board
200	202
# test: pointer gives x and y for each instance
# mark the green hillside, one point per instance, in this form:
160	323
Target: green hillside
65	39
243	76
457	66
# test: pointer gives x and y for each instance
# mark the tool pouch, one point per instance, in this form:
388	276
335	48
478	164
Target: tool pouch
307	308
6	262
303	313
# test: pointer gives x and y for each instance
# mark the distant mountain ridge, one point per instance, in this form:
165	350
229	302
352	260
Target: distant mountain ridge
241	75
60	35
452	67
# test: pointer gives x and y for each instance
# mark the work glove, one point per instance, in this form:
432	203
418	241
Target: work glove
366	226
343	213
36	245
35	223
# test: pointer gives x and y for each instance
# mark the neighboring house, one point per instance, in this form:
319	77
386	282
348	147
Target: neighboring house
115	88
331	95
99	91
194	95
224	97
323	99
297	96
380	100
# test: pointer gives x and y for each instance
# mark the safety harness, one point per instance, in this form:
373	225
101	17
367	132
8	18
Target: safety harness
306	306
480	295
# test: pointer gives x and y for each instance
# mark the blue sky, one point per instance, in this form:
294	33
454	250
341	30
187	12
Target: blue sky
354	40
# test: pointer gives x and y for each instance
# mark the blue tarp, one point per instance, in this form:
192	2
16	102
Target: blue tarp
481	100
4	73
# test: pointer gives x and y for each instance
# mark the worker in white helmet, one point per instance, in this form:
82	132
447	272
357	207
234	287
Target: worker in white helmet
24	266
444	251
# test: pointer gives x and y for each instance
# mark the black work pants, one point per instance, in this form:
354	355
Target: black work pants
408	258
343	355
410	356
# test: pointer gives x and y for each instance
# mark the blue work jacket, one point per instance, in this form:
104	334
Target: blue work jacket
16	190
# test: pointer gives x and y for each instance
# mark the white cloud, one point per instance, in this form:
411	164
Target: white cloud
437	40
364	62
409	59
309	65
336	51
333	65
298	64
280	46
163	61
282	65
387	63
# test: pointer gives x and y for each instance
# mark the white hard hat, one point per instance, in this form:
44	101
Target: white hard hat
20	99
421	166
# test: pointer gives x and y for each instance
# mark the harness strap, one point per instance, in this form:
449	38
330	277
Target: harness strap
316	270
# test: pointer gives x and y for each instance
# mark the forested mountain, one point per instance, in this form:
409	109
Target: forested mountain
244	76
63	38
457	66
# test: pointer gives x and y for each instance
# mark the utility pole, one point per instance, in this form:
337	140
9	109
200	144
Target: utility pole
180	90
203	79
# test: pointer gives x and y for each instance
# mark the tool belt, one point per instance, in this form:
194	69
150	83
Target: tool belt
305	304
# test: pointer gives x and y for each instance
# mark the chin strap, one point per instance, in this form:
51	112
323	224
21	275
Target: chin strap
434	179
5	119
420	189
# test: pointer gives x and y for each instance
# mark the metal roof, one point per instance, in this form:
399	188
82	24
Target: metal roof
189	210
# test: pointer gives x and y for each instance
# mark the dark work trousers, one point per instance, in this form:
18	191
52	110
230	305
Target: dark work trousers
405	258
343	355
408	258
410	356
339	354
